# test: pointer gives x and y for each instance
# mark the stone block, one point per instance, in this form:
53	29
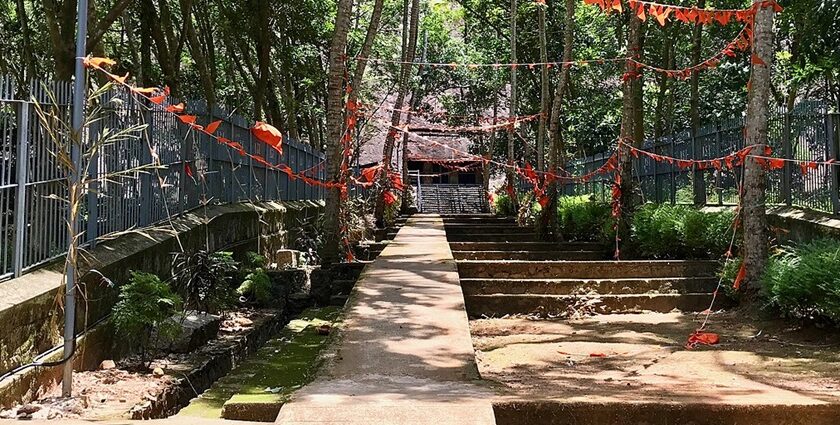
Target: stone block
196	329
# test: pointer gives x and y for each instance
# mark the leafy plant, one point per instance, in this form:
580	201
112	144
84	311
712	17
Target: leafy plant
503	205
146	306
254	260
204	280
707	234
257	287
582	218
679	231
804	281
308	239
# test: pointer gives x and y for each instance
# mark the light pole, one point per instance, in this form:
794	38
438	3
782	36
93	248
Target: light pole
74	191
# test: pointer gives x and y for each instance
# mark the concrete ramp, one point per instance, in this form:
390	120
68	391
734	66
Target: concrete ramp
405	355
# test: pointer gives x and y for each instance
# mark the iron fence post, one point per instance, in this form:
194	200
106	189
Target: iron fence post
673	173
92	192
250	167
787	153
146	199
717	154
22	180
699	181
657	186
831	134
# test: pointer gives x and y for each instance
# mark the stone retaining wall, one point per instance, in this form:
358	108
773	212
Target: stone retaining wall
30	306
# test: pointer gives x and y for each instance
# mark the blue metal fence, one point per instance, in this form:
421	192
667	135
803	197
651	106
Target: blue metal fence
809	132
33	185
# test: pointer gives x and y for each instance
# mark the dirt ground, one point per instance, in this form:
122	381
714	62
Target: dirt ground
642	358
112	393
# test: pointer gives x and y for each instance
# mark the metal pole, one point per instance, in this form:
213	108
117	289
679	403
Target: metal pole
75	180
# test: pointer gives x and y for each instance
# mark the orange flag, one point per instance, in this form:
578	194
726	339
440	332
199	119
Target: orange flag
187	119
213	126
179	108
98	62
269	135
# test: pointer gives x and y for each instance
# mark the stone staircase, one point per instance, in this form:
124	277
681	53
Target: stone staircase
452	199
505	270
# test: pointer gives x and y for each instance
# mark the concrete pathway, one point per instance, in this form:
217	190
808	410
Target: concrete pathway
405	355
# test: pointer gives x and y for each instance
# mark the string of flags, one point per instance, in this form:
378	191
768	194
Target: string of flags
662	13
263	132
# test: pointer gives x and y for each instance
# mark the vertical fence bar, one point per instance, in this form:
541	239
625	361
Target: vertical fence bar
92	192
22	180
832	137
787	153
699	181
716	154
146	199
673	173
251	167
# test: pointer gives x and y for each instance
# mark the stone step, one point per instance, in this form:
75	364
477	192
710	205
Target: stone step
531	255
502	229
478	236
526	246
500	305
675	285
476	218
586	269
563	412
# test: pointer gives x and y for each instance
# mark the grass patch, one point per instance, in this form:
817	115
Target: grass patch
275	371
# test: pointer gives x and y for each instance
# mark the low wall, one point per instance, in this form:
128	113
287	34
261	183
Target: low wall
31	313
796	225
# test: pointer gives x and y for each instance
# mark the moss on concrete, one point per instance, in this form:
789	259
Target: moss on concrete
257	388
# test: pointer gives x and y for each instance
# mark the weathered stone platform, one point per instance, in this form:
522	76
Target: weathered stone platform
405	355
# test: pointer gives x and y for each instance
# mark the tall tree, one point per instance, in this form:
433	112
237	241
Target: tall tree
335	129
61	22
406	69
511	145
541	6
753	200
556	151
632	124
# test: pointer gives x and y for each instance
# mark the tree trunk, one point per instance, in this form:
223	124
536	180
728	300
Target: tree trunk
30	64
511	174
755	177
549	226
391	137
660	121
632	129
543	89
335	130
696	52
488	155
262	39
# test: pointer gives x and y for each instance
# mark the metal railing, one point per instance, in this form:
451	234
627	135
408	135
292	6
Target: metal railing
195	170
808	133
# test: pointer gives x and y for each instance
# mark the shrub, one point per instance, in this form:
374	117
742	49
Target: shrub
582	218
145	305
804	282
254	260
204	280
503	205
708	234
678	231
256	287
657	230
